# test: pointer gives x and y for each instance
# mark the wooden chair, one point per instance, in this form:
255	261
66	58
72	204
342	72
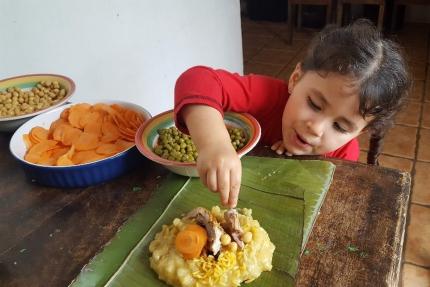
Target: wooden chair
396	5
380	3
292	4
375	148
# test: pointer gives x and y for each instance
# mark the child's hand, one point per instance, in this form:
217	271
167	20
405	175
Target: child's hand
220	170
218	164
279	148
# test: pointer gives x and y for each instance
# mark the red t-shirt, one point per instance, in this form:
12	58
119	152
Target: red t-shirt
261	96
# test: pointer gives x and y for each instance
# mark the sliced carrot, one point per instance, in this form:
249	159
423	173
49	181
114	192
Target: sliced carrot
83	133
87	141
70	135
66	159
65	114
39	133
123	145
110	132
190	241
93	128
27	141
46	158
76	113
107	149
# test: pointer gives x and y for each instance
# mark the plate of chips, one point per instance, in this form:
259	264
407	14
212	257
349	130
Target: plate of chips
79	144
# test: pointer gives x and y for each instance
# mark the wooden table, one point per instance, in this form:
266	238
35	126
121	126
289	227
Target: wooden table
47	235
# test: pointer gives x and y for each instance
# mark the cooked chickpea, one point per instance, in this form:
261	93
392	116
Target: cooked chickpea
225	239
18	102
233	246
247	237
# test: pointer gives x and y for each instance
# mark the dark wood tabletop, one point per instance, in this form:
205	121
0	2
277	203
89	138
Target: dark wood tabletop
47	235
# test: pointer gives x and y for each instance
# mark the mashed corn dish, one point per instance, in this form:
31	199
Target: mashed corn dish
236	249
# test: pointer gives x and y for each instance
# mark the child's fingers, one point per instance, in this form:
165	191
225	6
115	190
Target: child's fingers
203	177
235	178
280	150
211	180
224	185
276	145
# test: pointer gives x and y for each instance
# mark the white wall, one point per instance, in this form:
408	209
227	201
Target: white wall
119	49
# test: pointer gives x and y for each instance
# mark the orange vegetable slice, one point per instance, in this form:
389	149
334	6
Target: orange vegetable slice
83	133
107	149
66	159
190	241
87	141
39	133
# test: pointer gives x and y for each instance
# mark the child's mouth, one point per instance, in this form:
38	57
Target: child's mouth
300	141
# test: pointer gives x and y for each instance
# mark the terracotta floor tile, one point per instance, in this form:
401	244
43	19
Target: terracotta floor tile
418	238
420	191
418	70
273	56
426	86
286	72
396	162
424	145
410	114
400	141
417	91
363	156
255	41
249	53
296	46
425	121
262	68
414	276
363	139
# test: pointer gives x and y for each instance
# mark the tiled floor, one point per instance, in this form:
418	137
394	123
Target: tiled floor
407	145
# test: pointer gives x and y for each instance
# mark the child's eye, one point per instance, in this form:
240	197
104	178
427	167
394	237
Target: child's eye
339	128
313	105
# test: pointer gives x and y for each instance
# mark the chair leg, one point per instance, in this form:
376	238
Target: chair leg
299	16
394	18
339	13
328	14
290	23
381	17
375	147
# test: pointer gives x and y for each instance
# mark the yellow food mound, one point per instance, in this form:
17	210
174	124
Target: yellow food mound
231	267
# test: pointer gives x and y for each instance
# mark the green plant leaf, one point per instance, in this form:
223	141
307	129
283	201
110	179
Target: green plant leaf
284	195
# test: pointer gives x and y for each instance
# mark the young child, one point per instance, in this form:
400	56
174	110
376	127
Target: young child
350	81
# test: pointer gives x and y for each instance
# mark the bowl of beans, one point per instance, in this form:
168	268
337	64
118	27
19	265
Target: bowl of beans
24	97
161	141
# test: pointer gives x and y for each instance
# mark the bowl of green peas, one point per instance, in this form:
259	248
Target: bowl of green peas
23	97
161	141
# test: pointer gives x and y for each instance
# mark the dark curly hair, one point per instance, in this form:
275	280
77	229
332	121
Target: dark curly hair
376	64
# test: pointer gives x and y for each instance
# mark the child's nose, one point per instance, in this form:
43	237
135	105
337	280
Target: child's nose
315	127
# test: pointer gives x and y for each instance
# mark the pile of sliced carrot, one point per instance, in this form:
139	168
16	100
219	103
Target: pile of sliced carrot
83	133
191	241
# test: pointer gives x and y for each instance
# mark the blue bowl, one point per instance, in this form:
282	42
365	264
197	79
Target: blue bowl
84	175
81	175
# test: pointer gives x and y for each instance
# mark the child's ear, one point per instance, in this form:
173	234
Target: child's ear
295	77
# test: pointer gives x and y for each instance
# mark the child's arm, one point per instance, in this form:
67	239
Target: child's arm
218	164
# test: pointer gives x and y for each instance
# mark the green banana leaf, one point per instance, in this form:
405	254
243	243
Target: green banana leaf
284	195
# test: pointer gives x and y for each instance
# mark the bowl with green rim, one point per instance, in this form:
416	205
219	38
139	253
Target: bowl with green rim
148	139
26	96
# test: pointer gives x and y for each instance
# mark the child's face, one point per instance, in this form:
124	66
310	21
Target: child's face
322	113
